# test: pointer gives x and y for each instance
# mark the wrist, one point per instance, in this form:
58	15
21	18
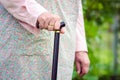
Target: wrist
81	52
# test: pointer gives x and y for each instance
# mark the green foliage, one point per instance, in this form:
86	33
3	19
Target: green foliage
98	17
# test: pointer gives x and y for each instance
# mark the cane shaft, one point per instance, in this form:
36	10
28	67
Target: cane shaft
56	52
55	55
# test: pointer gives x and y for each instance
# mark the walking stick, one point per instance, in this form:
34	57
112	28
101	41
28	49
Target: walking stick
56	52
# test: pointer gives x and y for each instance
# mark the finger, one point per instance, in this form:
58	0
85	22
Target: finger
84	69
78	67
63	30
51	25
42	22
50	28
47	22
57	25
83	72
52	22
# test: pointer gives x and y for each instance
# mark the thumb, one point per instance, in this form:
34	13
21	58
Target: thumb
78	67
63	30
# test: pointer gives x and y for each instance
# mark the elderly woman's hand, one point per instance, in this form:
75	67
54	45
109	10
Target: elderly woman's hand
82	63
50	22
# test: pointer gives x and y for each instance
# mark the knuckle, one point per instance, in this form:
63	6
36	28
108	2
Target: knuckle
42	18
57	17
57	27
87	63
48	17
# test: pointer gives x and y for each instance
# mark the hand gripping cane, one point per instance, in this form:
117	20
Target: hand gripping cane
56	52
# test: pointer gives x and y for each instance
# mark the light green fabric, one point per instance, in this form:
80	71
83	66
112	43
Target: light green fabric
24	57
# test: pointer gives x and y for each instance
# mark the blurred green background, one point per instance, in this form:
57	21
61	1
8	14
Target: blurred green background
102	25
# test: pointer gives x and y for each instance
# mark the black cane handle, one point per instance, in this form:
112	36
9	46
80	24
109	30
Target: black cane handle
62	24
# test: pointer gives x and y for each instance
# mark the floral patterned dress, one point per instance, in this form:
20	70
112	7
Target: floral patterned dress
26	57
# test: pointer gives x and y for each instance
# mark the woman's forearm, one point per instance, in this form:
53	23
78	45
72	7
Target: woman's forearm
26	11
80	32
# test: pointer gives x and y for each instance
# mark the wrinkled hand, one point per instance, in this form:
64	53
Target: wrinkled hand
82	63
50	22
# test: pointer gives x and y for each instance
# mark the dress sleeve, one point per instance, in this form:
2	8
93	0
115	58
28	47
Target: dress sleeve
26	11
80	32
